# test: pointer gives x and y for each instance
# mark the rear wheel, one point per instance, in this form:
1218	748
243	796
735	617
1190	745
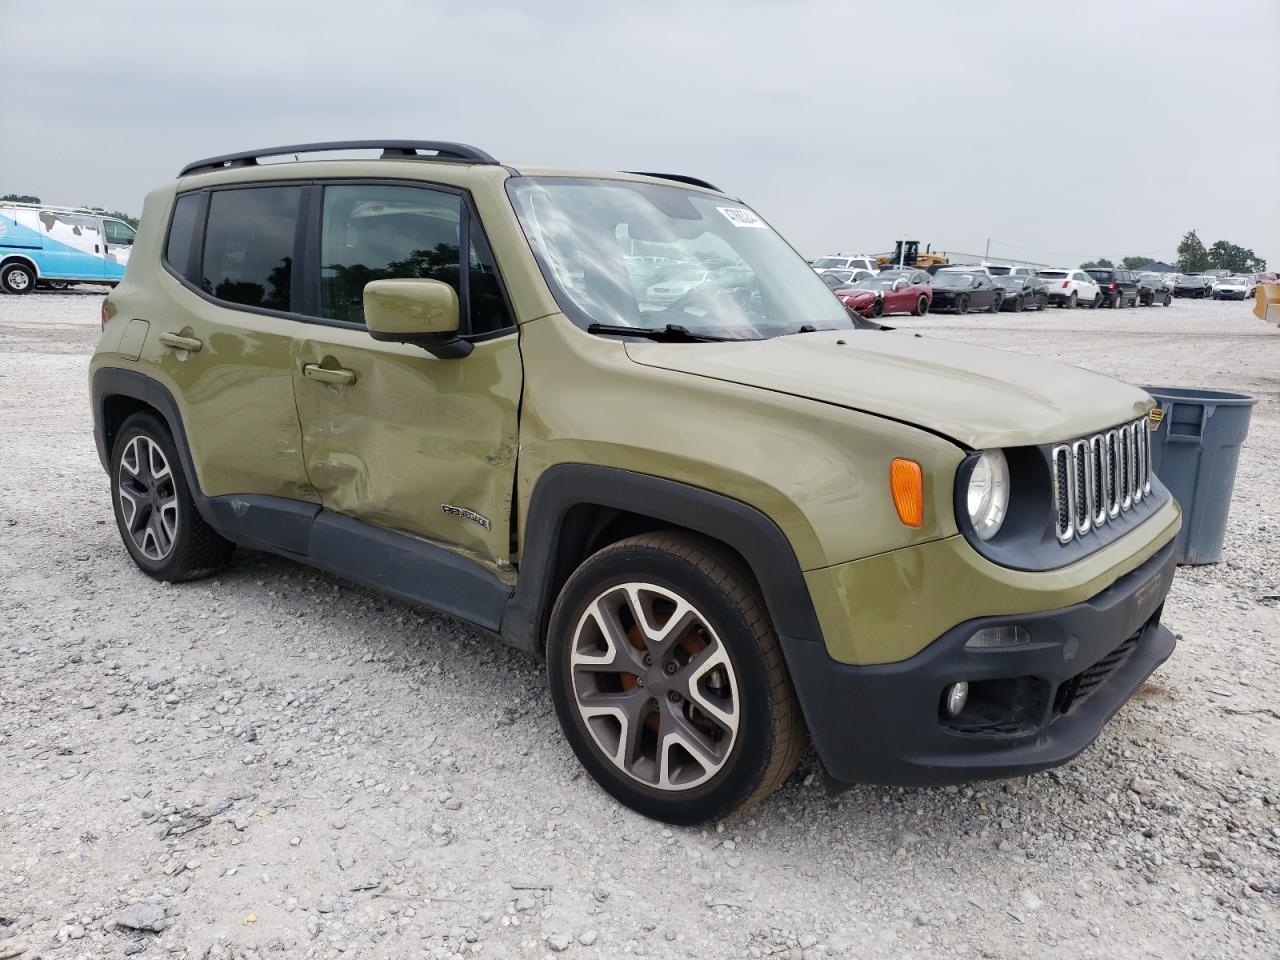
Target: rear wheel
669	682
1116	300
155	513
17	278
1072	301
1168	298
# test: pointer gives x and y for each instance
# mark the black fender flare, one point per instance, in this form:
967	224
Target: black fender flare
745	529
111	382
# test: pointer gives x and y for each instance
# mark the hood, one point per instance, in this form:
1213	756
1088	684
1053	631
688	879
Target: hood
977	396
858	294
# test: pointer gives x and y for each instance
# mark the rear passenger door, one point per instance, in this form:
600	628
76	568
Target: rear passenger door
221	338
413	442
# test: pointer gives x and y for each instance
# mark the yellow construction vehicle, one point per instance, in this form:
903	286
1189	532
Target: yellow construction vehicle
907	253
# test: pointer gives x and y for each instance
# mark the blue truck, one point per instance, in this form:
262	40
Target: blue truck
47	246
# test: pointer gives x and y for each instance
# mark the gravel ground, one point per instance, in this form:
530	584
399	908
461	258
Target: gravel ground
276	763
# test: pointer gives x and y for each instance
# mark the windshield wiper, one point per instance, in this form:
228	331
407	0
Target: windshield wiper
671	333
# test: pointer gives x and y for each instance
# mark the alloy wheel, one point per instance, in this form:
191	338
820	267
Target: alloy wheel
654	686
148	498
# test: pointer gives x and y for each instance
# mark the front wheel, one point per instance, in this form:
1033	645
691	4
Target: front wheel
157	518
922	307
877	308
962	305
669	682
17	278
1019	305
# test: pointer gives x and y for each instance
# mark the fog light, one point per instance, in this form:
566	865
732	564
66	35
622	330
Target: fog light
989	638
956	697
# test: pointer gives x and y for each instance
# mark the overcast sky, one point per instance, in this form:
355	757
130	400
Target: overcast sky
1059	131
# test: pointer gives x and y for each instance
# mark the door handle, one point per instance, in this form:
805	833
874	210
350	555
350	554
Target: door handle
179	342
313	371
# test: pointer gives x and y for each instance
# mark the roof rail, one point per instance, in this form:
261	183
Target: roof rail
391	149
53	207
677	177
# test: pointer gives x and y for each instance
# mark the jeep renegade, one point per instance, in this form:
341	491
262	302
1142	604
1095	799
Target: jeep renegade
615	420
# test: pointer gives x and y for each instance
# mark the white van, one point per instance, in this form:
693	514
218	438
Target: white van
42	245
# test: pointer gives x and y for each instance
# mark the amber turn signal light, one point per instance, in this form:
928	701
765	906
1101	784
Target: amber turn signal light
907	484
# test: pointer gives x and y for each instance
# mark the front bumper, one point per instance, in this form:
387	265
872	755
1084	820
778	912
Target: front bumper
1229	295
884	723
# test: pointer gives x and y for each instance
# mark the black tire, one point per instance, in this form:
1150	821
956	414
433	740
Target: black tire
1019	305
17	278
1116	300
1072	301
962	305
1168	299
877	308
922	306
195	549
771	734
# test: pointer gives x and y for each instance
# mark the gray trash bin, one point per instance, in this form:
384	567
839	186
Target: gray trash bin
1194	453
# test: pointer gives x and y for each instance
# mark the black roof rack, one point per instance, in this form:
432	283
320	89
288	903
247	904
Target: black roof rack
677	177
391	149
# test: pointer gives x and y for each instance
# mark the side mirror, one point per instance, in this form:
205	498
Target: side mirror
421	312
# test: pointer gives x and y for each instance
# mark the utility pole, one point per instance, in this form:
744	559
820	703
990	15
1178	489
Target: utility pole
987	255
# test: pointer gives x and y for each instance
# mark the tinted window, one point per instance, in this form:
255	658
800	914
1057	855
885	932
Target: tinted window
182	229
375	232
248	247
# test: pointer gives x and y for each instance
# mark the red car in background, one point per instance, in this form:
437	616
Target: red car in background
877	296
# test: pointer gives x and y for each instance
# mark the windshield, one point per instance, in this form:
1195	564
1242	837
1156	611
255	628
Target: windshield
955	280
1099	274
1010	283
875	283
828	263
729	274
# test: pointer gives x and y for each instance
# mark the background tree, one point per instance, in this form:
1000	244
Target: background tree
116	215
1227	256
1133	263
19	198
1192	256
1100	262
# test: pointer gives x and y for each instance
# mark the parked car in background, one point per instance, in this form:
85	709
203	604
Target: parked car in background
1233	288
962	291
842	278
842	261
1008	270
1191	285
42	245
876	296
1119	288
1154	288
1070	288
1022	293
962	268
914	274
679	284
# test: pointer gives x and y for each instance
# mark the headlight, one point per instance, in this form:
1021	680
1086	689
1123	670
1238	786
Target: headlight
988	494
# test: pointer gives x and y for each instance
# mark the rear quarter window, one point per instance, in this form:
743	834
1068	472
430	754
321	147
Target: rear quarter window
182	235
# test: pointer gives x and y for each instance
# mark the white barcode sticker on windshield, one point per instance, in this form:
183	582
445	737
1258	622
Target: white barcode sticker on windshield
741	217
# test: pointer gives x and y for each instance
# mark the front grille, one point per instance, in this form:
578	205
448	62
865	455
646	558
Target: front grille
1097	478
1077	689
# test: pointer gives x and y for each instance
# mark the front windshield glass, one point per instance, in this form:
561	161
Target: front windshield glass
724	272
953	280
831	263
875	283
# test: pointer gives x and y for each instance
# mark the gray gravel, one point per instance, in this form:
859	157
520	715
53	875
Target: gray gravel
275	763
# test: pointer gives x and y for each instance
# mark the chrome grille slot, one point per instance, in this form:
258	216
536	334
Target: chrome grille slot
1082	505
1063	490
1098	478
1099	469
1113	473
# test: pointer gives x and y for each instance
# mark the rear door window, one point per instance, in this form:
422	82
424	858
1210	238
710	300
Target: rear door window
249	246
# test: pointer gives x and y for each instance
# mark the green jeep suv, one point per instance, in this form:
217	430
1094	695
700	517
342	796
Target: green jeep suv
616	421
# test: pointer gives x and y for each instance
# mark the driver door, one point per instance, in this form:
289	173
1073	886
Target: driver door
392	435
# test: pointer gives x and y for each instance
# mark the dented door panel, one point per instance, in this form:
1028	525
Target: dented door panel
414	443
